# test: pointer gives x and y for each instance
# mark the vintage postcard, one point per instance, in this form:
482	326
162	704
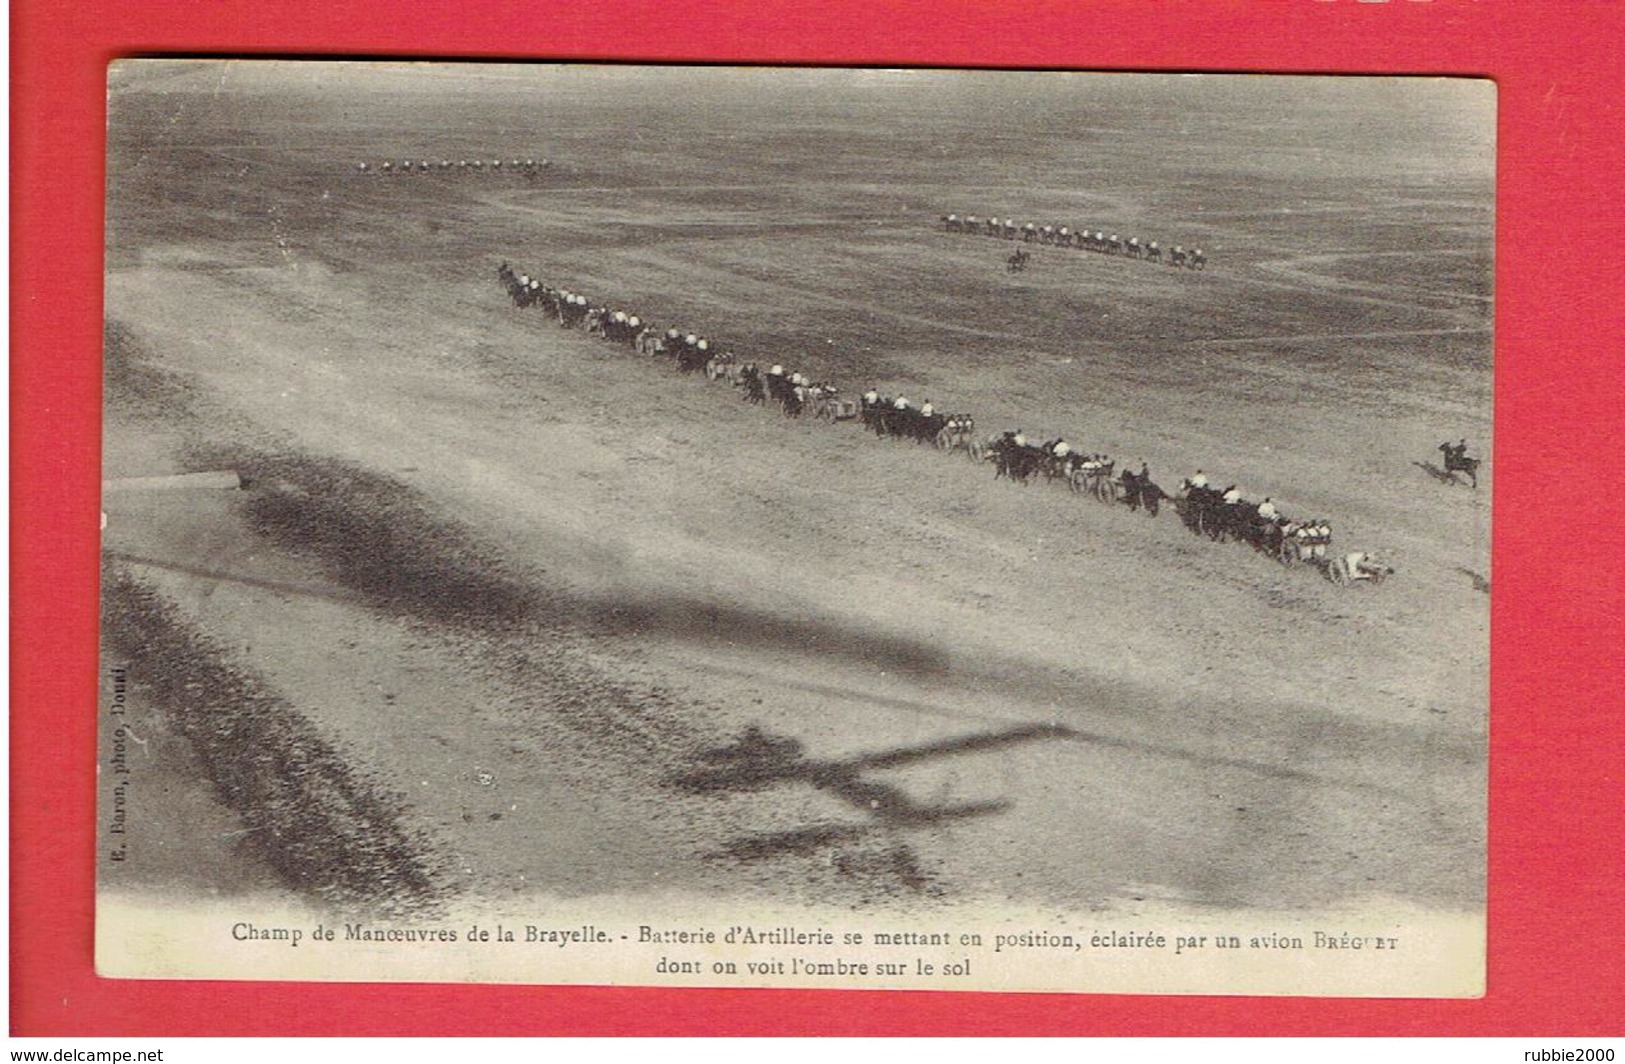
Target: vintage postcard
908	529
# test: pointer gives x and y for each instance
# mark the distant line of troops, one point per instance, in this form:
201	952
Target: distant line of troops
1066	236
423	166
1220	514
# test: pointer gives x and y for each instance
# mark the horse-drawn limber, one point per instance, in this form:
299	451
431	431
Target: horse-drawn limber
832	408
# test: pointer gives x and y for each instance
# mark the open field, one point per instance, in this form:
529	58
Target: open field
505	611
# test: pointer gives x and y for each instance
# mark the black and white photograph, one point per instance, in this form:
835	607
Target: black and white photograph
814	527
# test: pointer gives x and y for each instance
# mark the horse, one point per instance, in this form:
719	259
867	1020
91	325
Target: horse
1200	510
1153	253
869	413
1010	459
900	421
1140	491
1198	260
691	357
1017	262
777	385
913	424
1233	520
1016	461
1177	256
1266	535
1456	461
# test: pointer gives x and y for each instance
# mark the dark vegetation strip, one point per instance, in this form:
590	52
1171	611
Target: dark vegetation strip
325	829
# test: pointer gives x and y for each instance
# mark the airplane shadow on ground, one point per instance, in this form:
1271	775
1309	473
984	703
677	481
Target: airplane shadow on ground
757	760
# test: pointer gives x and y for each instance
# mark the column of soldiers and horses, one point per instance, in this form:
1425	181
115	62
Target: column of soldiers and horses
1219	513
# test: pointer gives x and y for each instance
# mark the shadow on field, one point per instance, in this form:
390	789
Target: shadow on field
1105	703
133	384
1437	474
756	761
389	545
725	625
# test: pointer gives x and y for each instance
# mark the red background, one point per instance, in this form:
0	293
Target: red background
1557	761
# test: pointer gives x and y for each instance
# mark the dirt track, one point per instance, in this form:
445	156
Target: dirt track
592	626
